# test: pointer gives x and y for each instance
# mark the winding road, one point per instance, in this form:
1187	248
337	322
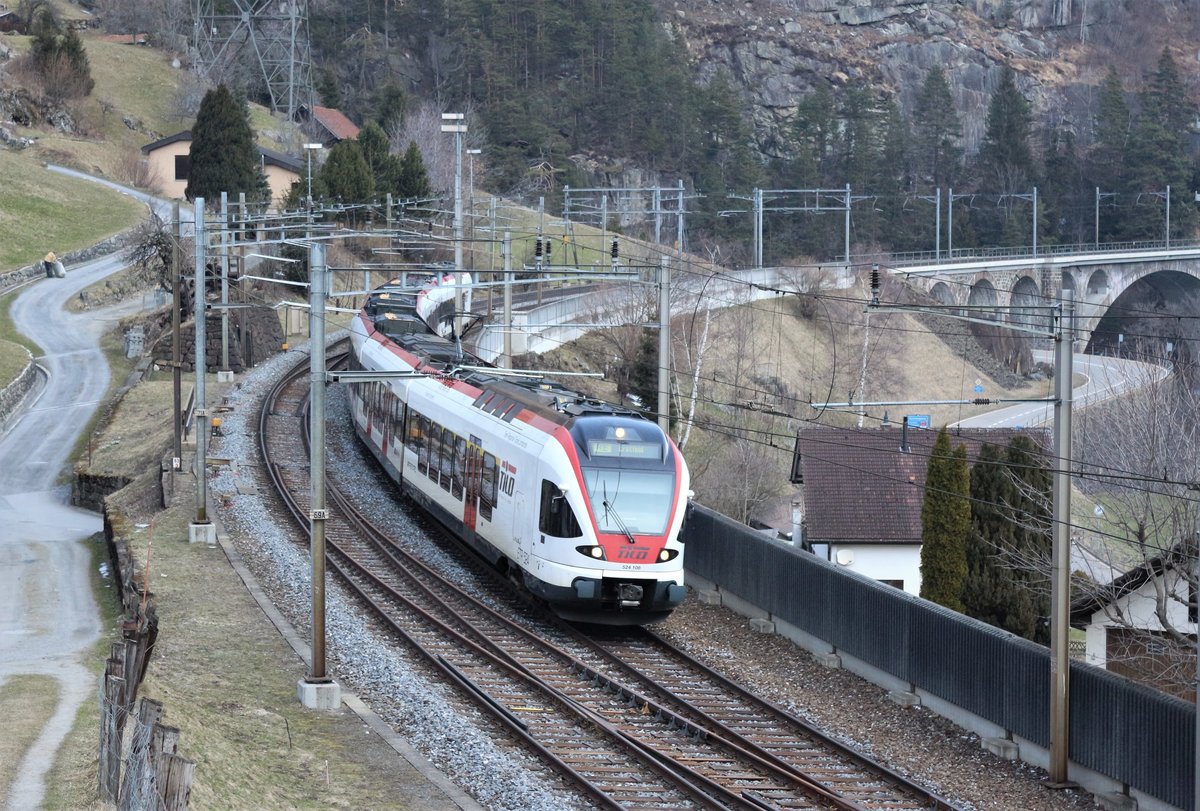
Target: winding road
1104	378
49	621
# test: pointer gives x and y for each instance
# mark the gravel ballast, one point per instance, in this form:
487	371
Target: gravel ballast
912	741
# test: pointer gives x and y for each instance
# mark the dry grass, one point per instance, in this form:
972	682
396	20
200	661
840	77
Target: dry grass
228	681
28	701
13	358
42	211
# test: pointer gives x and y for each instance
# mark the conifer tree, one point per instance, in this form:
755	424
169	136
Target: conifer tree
815	132
223	155
1007	582
1106	160
938	134
1158	157
60	58
345	174
1006	164
945	524
414	180
384	166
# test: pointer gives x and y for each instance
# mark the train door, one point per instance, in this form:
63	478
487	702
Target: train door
473	482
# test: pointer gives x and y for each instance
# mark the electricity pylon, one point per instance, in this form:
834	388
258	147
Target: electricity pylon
276	30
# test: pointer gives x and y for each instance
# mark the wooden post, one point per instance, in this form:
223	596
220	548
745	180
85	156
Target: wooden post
175	782
137	788
111	722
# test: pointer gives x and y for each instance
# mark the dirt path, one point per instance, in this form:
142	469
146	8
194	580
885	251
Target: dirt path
48	618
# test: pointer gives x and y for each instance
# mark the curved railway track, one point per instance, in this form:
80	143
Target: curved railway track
631	721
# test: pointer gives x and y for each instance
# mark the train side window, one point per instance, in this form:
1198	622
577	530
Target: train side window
556	517
434	438
414	439
487	490
459	467
447	457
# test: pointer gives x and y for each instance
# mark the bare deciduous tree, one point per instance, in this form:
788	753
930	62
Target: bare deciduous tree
1137	455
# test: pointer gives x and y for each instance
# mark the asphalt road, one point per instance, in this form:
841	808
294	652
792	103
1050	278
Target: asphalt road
1104	378
48	618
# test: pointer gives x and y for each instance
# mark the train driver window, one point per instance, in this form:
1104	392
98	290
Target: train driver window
556	517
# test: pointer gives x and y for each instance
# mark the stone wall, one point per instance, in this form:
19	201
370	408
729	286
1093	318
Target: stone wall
254	336
12	394
90	489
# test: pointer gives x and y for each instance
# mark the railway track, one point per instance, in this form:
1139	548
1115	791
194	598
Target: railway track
632	722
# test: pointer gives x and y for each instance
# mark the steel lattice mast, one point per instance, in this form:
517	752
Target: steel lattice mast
276	30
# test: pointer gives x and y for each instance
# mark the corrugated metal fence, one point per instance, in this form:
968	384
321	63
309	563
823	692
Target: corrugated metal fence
1135	735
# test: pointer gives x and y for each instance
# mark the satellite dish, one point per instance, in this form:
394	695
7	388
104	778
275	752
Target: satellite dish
1098	510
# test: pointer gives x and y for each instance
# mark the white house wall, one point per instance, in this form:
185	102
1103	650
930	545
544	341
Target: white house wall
1138	609
882	562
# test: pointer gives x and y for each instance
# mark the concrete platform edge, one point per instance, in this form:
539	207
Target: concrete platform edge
402	747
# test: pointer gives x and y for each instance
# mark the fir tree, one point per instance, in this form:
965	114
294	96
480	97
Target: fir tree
77	58
1007	582
815	132
1006	164
346	176
945	524
414	180
384	167
1106	160
60	58
390	103
1158	157
224	157
936	141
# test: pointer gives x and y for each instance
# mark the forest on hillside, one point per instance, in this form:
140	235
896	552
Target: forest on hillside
550	88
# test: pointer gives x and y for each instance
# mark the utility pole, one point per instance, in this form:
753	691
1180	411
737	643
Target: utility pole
1062	333
224	374
506	249
847	229
758	229
664	345
317	690
176	357
1060	569
453	122
201	529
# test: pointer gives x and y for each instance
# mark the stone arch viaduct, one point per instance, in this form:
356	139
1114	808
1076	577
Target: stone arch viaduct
1109	290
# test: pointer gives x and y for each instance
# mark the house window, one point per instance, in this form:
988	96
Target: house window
183	163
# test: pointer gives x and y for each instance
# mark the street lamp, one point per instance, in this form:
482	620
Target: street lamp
453	122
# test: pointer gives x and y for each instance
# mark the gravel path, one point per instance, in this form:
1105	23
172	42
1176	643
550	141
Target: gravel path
913	741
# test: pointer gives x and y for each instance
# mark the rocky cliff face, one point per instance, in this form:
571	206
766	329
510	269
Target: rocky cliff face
776	50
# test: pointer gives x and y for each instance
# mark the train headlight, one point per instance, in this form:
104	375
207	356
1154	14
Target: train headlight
667	554
596	552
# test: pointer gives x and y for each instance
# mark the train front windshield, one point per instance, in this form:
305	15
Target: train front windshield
632	501
629	472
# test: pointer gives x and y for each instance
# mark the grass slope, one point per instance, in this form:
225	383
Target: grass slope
44	211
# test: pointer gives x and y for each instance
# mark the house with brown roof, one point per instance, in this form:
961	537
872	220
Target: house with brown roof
169	160
861	493
1126	622
330	125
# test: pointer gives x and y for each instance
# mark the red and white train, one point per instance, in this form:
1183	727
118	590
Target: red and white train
579	501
